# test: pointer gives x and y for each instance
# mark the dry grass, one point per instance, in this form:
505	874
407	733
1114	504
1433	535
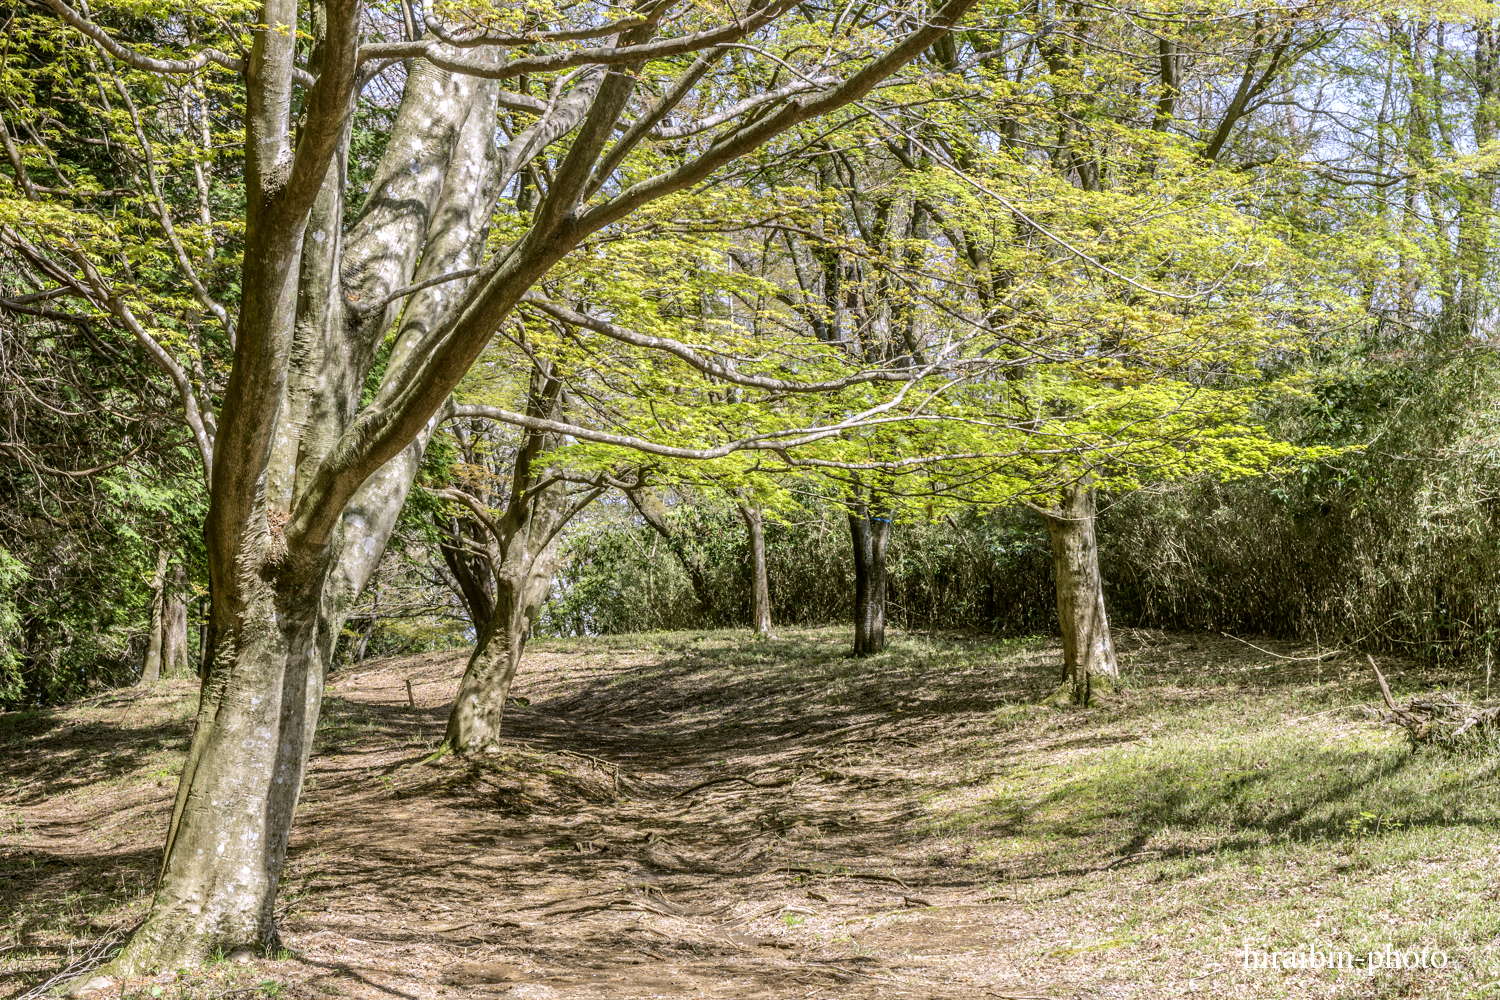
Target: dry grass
703	814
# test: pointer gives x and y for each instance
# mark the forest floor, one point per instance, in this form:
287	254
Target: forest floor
701	814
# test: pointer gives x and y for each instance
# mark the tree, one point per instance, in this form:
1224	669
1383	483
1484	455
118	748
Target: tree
166	646
306	469
519	551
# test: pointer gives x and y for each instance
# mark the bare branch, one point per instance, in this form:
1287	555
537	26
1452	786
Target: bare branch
432	49
798	110
25	454
643	125
164	215
508	39
402	293
748	104
778	442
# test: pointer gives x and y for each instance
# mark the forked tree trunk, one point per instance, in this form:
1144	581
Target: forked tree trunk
760	584
522	553
520	591
277	610
872	535
306	479
1088	649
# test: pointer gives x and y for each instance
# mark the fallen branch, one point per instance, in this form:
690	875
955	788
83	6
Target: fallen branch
1441	719
1330	654
72	978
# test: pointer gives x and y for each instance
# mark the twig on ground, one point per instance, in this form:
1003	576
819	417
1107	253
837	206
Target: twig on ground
98	954
1330	654
1129	857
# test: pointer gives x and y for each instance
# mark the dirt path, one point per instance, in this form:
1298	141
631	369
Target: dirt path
659	825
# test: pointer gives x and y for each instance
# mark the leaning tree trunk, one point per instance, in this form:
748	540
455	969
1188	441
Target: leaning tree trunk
458	539
1088	650
650	507
760	586
244	767
151	666
872	535
523	553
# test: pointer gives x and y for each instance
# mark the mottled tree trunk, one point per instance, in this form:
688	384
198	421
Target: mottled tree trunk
760	584
307	475
1088	650
278	604
871	535
244	769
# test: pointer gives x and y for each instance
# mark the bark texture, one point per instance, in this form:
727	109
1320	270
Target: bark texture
174	657
279	603
871	533
1088	649
167	644
521	553
151	667
521	587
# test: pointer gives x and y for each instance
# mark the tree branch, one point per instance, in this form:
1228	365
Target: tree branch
431	49
705	366
739	143
402	293
509	39
130	57
748	104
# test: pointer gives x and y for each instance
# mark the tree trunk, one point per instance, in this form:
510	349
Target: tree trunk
228	835
174	645
277	609
1088	650
872	535
459	536
151	666
306	476
521	587
760	588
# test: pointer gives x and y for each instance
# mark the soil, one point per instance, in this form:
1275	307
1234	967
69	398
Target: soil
688	817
